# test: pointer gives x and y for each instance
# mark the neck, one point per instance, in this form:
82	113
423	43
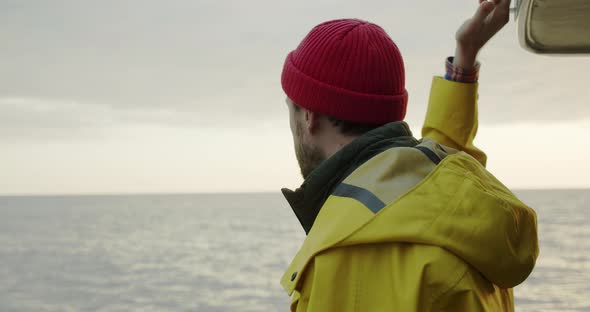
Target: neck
334	145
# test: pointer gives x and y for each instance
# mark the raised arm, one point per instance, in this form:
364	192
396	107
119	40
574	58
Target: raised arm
452	117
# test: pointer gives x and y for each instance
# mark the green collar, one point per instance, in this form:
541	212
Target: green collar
308	199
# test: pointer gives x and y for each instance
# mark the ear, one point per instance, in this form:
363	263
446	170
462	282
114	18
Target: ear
311	121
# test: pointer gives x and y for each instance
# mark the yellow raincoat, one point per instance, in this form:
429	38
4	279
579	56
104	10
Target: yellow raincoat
423	228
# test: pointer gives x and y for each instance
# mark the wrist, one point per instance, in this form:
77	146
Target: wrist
459	74
465	58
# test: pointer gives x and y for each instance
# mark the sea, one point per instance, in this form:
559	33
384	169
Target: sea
218	252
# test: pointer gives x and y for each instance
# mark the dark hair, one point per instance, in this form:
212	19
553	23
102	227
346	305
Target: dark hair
347	127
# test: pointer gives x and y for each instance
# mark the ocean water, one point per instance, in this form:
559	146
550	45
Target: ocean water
218	253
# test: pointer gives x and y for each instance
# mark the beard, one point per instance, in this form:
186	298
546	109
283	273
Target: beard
309	156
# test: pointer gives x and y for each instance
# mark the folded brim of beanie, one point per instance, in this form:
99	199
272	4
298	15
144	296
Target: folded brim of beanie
340	103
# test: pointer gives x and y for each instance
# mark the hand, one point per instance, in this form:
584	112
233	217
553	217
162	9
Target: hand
490	17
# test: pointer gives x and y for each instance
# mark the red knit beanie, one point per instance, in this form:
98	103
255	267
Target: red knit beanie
348	69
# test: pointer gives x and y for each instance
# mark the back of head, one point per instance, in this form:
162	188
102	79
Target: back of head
348	69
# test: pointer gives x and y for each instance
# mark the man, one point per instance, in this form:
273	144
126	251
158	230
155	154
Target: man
393	223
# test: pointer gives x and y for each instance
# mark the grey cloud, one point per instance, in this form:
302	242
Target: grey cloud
31	119
155	53
194	63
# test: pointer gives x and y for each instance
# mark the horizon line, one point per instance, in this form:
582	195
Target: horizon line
114	194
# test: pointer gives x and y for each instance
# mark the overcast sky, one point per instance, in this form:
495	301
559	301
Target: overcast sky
184	96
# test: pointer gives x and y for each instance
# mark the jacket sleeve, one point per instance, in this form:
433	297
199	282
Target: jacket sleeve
451	118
